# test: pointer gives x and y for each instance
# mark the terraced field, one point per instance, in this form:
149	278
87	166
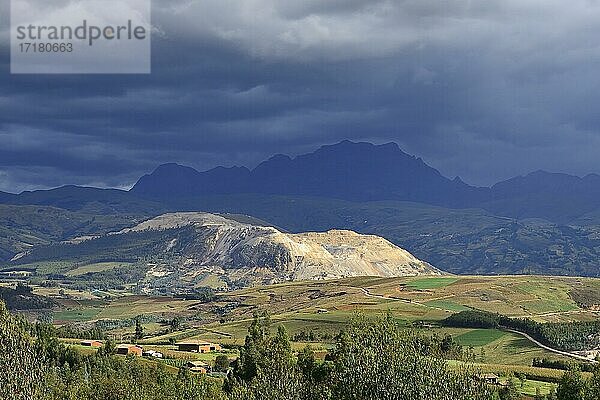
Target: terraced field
320	309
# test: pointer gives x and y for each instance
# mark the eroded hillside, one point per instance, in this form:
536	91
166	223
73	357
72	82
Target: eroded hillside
187	249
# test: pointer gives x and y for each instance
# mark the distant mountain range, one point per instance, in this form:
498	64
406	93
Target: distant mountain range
357	172
541	223
347	171
366	172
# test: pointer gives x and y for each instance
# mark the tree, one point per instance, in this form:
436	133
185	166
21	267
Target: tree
522	378
380	360
22	375
139	329
45	369
252	354
571	386
593	390
175	324
266	368
509	392
221	363
109	348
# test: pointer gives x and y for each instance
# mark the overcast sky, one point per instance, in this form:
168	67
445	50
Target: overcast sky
481	89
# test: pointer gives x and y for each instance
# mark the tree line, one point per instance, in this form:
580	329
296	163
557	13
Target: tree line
567	336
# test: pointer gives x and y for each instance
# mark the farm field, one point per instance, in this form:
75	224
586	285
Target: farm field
314	313
528	387
96	267
544	299
480	337
333	302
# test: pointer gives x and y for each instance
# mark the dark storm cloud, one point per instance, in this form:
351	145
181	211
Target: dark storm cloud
485	90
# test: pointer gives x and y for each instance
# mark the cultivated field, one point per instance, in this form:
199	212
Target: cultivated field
316	311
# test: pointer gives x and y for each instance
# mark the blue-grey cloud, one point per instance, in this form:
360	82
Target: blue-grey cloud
484	90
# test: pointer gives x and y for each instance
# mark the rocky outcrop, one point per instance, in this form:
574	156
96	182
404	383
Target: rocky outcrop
222	245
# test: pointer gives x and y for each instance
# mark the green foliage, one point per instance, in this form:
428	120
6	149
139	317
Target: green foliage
473	319
126	247
380	360
202	294
78	332
509	392
221	363
578	335
45	369
267	368
561	364
21	370
572	386
139	330
371	360
21	226
22	298
175	324
594	385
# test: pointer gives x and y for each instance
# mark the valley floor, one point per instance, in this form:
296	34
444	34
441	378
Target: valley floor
314	312
324	306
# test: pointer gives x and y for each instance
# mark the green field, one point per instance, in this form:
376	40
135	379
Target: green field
480	337
48	267
528	387
431	283
97	267
446	305
76	315
321	309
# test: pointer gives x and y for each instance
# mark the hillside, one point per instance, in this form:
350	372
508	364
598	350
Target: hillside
460	241
560	198
23	227
185	249
540	223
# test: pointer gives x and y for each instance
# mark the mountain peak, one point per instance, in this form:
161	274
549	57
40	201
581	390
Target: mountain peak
355	171
172	167
349	144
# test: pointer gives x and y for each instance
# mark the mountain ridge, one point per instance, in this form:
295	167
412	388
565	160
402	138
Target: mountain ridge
360	171
350	171
354	171
535	223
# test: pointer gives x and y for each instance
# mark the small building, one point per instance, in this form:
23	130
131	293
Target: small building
91	343
198	366
491	379
198	346
152	354
126	349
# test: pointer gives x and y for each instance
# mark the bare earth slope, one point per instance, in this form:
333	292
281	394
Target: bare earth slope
239	250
